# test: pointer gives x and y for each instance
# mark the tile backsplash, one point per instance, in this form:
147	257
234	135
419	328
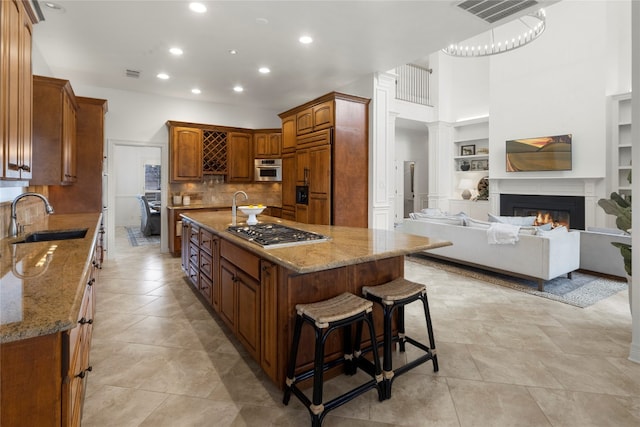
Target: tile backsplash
29	210
212	192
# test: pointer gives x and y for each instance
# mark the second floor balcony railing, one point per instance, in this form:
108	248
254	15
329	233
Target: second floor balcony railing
412	84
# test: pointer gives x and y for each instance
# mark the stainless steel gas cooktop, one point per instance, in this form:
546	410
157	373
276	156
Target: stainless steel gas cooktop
272	235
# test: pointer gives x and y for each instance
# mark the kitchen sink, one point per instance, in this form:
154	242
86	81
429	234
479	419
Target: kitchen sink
47	235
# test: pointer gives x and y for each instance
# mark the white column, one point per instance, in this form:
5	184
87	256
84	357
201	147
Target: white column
440	149
381	178
634	353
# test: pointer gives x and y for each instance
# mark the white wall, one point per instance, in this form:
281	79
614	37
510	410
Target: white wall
129	181
411	145
556	85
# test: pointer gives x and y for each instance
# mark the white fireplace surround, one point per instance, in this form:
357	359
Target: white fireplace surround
592	189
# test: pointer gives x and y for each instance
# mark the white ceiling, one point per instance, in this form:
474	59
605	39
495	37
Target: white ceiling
93	42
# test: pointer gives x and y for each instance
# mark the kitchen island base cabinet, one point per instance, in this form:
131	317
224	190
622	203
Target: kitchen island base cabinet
259	288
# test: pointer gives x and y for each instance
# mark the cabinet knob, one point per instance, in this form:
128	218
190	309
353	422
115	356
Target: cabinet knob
91	282
25	168
84	321
82	374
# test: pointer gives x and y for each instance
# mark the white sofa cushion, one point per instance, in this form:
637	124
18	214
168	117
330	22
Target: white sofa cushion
513	220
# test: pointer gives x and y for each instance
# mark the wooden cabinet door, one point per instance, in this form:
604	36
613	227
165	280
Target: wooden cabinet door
215	275
302	167
267	145
228	293
69	143
261	141
16	98
302	214
54	132
240	160
275	143
320	185
248	313
288	181
304	121
323	115
185	246
289	134
269	318
185	159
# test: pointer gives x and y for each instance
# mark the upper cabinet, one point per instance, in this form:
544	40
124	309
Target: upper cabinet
86	194
315	118
198	150
54	132
267	144
289	133
16	93
240	160
185	160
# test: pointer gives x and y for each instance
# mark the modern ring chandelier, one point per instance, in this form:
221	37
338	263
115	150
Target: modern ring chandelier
505	38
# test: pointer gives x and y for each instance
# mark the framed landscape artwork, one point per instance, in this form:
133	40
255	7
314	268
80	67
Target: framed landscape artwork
548	153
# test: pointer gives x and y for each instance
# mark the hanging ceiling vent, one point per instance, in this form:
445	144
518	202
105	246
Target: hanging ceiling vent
132	73
494	10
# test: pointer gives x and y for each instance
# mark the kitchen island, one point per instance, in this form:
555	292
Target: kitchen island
254	289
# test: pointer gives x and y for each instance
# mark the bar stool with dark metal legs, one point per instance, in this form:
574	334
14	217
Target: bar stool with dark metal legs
325	317
394	296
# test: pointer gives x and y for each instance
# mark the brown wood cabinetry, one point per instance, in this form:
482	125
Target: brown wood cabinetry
289	185
86	194
185	159
16	94
44	378
289	133
174	224
267	144
317	117
54	132
331	158
240	160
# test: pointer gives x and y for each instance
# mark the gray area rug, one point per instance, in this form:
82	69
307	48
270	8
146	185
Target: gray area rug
582	290
136	238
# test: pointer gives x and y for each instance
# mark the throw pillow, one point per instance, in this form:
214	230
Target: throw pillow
513	220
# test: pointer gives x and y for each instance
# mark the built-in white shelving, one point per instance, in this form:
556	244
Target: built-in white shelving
470	151
621	143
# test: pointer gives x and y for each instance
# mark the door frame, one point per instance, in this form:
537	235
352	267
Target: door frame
109	210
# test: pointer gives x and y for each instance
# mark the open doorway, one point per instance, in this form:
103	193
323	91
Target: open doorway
134	168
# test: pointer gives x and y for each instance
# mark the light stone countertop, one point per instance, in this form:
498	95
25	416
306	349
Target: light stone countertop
42	299
347	245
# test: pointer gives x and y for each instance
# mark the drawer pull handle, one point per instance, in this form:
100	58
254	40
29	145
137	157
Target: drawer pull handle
83	321
84	373
91	282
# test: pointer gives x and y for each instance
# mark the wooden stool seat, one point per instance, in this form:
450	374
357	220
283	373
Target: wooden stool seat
393	296
334	309
342	311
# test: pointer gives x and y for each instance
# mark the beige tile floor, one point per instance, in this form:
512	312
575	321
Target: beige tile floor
506	359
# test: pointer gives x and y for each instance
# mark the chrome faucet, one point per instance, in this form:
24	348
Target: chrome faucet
233	204
13	225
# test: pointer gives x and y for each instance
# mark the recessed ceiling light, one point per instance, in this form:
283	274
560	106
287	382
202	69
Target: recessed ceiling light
163	76
54	6
233	52
197	7
196	91
264	70
238	88
176	51
305	39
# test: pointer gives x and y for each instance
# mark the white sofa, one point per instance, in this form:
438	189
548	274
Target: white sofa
597	254
536	257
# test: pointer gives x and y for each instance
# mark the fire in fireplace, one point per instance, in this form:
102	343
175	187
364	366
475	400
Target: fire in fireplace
559	210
